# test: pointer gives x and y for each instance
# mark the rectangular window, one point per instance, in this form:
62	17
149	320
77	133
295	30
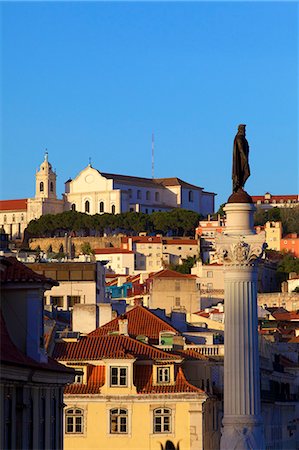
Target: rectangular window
79	378
74	421
162	420
118	421
177	286
209	286
57	300
118	376
163	374
72	299
209	274
177	301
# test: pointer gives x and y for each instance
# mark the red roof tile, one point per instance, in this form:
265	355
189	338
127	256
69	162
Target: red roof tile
111	250
95	380
170	241
13	205
141	321
143	380
142	239
104	347
17	272
255	198
167	273
289	316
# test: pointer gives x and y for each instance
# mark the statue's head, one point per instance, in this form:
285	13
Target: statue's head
241	129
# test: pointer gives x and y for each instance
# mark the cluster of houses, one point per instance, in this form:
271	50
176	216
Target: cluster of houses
116	349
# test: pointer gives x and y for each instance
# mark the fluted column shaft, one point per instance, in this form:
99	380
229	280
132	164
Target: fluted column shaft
241	362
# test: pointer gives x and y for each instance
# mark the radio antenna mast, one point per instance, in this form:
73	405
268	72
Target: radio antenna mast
153	161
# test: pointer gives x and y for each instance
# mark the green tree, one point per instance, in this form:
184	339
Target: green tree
86	249
185	267
287	264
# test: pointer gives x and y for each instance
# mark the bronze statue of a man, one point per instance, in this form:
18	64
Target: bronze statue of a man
241	170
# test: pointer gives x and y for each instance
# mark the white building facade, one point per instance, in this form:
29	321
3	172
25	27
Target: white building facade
94	192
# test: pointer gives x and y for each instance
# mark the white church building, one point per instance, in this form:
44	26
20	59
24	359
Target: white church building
95	192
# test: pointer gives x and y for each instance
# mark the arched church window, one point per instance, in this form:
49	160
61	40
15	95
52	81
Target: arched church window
102	206
41	186
73	206
87	206
51	186
113	209
190	196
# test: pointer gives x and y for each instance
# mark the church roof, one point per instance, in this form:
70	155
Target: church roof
14	205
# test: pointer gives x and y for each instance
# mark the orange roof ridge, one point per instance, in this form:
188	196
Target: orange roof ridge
141	321
113	346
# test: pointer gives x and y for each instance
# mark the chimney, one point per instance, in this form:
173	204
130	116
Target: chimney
123	325
130	243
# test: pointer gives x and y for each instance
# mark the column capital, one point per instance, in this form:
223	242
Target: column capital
240	250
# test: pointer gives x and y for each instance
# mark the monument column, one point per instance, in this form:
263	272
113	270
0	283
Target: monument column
239	248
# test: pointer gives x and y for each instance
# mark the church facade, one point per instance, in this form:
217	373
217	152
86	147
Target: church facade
95	192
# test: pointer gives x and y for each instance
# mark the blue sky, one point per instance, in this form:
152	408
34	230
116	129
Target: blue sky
96	79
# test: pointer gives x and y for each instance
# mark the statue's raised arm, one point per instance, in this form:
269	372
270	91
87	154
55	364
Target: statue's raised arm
241	170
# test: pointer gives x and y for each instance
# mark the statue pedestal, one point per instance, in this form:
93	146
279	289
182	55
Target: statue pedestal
239	249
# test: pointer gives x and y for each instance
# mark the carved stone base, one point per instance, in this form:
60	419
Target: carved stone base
242	433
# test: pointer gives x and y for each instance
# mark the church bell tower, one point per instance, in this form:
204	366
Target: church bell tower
45	184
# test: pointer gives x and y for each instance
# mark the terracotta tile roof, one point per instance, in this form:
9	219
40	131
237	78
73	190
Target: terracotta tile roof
167	273
277	198
170	241
17	272
14	205
142	239
111	250
10	354
95	380
174	181
143	380
289	316
115	347
141	321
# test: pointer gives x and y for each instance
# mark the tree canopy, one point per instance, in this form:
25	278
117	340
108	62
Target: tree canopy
178	222
288	216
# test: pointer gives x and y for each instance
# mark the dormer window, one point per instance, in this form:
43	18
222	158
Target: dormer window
163	375
78	378
118	376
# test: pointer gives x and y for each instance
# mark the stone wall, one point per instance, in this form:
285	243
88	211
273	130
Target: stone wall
57	242
287	300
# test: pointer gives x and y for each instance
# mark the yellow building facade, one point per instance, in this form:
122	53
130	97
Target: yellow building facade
131	395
